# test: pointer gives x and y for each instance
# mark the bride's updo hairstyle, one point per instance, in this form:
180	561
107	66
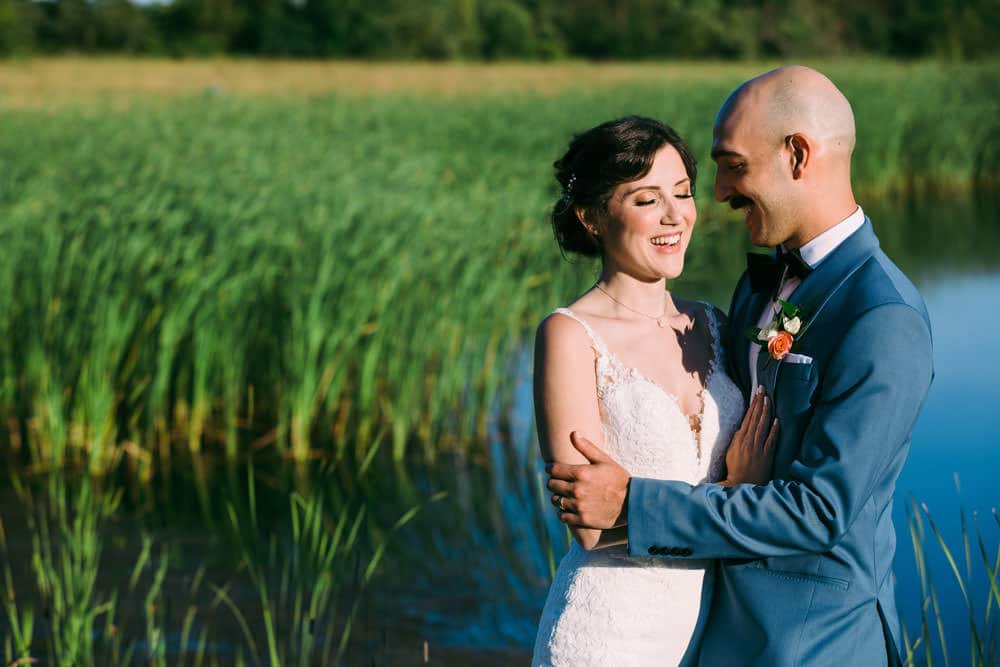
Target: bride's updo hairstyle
598	161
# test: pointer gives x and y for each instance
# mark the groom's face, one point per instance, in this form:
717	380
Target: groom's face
751	173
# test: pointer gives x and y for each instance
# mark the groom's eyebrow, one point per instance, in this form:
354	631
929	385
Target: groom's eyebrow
721	152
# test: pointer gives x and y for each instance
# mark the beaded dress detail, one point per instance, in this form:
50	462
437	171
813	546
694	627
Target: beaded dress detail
603	607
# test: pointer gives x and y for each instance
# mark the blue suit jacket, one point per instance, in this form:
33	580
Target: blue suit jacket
804	575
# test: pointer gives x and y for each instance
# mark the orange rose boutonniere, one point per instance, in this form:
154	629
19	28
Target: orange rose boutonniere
780	344
779	335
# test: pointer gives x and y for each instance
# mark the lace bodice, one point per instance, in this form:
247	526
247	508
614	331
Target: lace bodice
644	427
605	608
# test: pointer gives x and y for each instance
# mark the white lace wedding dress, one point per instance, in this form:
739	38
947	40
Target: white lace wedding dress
605	608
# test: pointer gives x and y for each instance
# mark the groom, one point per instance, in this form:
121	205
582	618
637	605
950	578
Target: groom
803	575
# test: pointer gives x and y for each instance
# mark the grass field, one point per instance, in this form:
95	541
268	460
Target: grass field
46	82
340	269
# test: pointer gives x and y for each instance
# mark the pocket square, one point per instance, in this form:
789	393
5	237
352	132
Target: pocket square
792	358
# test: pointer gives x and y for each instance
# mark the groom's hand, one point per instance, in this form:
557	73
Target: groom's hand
594	494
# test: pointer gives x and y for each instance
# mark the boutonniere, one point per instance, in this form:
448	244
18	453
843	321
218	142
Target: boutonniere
779	335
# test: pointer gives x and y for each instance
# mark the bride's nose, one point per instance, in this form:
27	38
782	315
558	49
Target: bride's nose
671	215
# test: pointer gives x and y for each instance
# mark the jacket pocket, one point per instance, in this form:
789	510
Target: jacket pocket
805	577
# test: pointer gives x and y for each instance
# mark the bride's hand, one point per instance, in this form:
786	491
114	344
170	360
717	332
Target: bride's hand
750	456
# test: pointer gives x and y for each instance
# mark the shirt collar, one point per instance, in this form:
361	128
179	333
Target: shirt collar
817	250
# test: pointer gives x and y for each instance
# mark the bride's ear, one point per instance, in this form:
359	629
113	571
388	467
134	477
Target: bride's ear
585	218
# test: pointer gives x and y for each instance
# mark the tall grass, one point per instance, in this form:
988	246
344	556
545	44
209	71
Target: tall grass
331	274
967	563
292	584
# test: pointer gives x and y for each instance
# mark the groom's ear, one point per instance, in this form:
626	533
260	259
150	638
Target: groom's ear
799	153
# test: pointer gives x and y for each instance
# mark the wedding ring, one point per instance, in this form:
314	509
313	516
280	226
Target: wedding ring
561	506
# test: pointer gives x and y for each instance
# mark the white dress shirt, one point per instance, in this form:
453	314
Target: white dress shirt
813	253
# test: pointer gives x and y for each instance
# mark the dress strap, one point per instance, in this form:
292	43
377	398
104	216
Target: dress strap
598	343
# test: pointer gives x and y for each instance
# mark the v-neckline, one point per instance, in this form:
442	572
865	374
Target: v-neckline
694	420
673	397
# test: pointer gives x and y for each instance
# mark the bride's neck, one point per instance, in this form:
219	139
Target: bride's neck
649	297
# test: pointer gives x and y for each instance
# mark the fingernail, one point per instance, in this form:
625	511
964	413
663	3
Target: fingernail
760	389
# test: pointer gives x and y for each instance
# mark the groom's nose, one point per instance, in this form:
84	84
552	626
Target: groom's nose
722	189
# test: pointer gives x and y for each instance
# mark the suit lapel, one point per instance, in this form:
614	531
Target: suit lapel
811	295
816	289
745	315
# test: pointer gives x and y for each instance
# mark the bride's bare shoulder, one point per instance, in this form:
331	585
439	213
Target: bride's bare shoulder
560	327
571	321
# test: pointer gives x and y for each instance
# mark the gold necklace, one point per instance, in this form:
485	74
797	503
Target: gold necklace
660	322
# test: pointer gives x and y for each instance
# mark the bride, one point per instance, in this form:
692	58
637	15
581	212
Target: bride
641	373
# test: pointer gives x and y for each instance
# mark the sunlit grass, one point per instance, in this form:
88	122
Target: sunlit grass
293	592
341	273
966	562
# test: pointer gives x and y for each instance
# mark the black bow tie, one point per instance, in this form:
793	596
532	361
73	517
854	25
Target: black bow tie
767	272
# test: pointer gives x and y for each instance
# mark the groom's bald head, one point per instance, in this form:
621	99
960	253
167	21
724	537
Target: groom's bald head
794	99
782	144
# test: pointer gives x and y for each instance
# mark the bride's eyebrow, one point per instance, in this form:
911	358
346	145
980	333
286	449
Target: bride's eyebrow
651	187
637	189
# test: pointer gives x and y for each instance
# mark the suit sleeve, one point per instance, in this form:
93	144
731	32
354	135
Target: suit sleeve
869	398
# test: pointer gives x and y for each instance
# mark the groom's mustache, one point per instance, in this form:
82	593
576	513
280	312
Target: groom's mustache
739	201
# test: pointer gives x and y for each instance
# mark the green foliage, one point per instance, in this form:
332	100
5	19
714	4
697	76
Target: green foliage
974	556
490	29
340	273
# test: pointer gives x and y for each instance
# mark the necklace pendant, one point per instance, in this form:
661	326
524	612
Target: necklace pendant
660	323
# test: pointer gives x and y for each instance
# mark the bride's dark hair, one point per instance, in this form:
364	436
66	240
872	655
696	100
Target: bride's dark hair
599	160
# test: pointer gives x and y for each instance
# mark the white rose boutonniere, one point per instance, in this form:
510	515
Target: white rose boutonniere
779	335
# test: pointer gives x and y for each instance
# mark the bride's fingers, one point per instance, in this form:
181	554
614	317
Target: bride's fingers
772	438
760	407
754	399
761	426
748	417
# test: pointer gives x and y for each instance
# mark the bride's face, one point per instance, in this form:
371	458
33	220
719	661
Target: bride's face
650	220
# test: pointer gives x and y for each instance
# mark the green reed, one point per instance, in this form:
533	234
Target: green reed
966	562
63	608
305	575
310	580
326	274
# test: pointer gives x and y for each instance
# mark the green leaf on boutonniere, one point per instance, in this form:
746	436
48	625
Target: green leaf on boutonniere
788	309
753	333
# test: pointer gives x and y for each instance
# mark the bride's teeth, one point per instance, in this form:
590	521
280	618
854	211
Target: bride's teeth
667	240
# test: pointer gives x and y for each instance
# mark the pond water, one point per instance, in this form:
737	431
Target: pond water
464	581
